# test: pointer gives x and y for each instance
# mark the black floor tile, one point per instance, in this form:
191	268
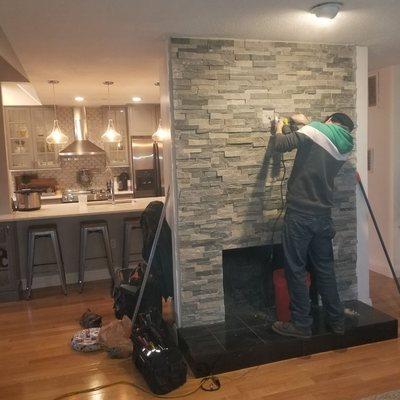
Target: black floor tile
238	339
240	343
231	322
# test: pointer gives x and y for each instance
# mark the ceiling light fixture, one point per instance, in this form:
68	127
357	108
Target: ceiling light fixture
110	135
327	10
56	136
79	98
159	135
136	99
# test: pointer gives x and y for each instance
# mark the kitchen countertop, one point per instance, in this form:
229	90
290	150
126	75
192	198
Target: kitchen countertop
66	210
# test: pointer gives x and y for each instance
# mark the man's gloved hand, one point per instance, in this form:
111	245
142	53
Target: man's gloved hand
279	126
300	119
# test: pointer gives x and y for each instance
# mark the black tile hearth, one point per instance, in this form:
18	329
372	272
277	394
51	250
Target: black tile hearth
246	340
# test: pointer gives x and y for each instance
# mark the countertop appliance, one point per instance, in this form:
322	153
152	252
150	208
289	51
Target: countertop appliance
27	200
147	166
123	178
71	196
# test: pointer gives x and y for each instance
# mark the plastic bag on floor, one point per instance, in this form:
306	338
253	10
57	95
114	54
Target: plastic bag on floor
86	340
115	337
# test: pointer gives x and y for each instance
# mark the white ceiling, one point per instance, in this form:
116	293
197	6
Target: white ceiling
85	42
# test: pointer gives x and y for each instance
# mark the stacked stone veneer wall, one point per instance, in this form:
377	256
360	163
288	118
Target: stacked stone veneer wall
228	178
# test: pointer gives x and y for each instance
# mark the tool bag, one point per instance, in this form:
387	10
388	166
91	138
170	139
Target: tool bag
155	356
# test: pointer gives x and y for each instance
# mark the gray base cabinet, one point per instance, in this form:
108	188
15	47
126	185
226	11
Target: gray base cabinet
10	284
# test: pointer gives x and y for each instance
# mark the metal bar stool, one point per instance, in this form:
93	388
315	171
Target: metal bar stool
131	232
44	231
86	229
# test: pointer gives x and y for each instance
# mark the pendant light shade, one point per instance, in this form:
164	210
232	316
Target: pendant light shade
110	135
160	134
56	135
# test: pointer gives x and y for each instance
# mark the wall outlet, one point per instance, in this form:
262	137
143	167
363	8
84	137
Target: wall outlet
267	116
113	243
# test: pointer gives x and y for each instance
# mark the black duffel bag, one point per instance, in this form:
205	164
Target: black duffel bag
126	293
156	356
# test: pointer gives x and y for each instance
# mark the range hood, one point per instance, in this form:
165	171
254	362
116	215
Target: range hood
81	146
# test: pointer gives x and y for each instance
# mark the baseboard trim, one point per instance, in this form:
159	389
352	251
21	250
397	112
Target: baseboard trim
71	277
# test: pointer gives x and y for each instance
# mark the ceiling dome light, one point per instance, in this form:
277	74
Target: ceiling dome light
56	136
136	99
326	10
79	98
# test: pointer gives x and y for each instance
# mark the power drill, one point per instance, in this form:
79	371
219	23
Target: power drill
289	125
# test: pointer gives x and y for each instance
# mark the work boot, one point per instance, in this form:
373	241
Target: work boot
336	327
290	329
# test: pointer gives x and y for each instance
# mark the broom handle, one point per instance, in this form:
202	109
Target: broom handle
151	256
358	179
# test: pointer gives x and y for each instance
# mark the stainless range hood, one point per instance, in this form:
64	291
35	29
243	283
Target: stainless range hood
81	146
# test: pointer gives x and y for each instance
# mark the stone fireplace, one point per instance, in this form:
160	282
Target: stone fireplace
228	178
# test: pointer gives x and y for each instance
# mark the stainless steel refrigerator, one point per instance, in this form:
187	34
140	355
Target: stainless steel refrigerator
147	167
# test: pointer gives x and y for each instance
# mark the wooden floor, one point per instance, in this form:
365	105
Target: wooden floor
36	362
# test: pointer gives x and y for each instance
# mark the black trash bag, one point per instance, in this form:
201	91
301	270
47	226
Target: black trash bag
156	356
90	319
161	267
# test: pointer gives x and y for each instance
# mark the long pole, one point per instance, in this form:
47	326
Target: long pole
358	179
150	260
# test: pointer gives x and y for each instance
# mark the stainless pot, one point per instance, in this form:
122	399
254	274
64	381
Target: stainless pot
27	200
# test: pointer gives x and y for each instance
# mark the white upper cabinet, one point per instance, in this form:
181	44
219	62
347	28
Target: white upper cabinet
143	119
19	137
117	153
27	129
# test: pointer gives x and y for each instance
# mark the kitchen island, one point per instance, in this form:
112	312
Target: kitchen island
68	210
67	217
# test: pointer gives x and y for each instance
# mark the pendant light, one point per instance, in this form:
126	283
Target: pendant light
110	135
159	135
56	136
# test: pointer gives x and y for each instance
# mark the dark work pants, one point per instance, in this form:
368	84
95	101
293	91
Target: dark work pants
310	236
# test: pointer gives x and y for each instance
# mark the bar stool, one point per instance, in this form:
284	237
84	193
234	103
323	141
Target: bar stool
131	231
43	231
86	229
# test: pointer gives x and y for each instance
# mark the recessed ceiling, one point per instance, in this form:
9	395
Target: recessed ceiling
82	43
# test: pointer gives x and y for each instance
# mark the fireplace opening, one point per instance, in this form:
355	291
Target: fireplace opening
248	280
247	277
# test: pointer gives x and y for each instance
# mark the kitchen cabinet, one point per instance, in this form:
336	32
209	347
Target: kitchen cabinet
46	155
117	153
19	135
9	265
27	129
143	119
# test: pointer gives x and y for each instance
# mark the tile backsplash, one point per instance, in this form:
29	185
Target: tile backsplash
66	176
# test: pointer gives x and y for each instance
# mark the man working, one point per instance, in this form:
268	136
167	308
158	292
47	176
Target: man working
322	148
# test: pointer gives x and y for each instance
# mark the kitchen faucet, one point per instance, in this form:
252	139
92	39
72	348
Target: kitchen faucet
110	185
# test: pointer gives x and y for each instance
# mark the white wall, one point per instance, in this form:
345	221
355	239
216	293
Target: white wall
361	154
169	170
383	190
5	201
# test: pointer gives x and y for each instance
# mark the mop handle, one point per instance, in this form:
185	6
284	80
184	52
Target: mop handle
151	256
358	179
